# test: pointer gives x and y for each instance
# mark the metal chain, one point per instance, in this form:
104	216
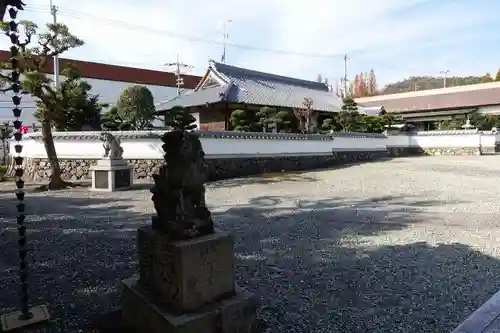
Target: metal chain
18	159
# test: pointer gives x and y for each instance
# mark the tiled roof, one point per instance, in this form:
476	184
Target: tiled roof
437	100
258	88
371	110
201	97
94	70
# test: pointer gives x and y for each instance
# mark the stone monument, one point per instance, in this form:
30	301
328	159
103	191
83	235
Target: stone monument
112	172
186	280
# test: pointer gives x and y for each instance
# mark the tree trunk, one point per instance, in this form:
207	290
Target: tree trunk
5	153
56	181
3	9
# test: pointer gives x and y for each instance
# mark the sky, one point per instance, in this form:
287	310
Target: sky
302	39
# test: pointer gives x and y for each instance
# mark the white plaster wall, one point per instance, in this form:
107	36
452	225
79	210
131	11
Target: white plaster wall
442	141
76	146
488	140
398	141
150	148
446	141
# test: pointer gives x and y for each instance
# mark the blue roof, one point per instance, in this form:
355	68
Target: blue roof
240	85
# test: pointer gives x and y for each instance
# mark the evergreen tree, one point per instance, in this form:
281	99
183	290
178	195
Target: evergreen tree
180	119
241	121
265	118
349	118
111	121
349	104
136	107
33	61
285	122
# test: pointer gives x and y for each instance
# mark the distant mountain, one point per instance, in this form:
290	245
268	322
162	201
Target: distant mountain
428	82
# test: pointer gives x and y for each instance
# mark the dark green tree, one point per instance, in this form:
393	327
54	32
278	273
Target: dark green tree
111	121
373	124
484	122
6	132
328	125
391	119
349	121
180	119
349	104
32	61
136	107
76	107
265	118
285	122
241	121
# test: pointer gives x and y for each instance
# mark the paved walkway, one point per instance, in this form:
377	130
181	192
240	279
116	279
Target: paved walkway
407	245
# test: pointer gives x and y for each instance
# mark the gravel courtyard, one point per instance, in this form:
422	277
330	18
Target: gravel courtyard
405	245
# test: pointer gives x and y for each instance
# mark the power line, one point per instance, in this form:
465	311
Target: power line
177	35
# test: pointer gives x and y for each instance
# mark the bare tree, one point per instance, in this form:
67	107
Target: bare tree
304	115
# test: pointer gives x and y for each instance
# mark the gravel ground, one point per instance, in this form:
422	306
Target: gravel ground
406	245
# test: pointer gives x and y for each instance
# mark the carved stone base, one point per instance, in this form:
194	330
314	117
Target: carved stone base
234	315
185	275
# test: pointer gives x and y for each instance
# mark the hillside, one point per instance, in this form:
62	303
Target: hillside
428	82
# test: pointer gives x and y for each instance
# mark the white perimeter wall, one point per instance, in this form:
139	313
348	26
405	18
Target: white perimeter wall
147	145
444	139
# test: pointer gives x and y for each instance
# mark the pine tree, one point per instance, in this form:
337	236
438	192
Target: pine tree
180	119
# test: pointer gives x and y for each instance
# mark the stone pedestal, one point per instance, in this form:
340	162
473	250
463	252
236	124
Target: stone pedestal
186	286
111	175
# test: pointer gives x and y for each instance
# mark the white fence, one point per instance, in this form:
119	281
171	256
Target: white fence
445	139
147	144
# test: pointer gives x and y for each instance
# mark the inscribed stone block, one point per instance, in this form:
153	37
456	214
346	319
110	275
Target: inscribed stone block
186	274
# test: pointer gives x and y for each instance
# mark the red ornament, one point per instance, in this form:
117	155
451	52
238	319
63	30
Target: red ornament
23	130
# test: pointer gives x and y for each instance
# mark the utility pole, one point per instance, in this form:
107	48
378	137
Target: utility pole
346	58
53	11
445	74
225	36
178	65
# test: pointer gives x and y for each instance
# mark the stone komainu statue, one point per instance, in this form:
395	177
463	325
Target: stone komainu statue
111	144
179	190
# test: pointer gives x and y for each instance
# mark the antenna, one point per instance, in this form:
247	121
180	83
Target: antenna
225	36
179	81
